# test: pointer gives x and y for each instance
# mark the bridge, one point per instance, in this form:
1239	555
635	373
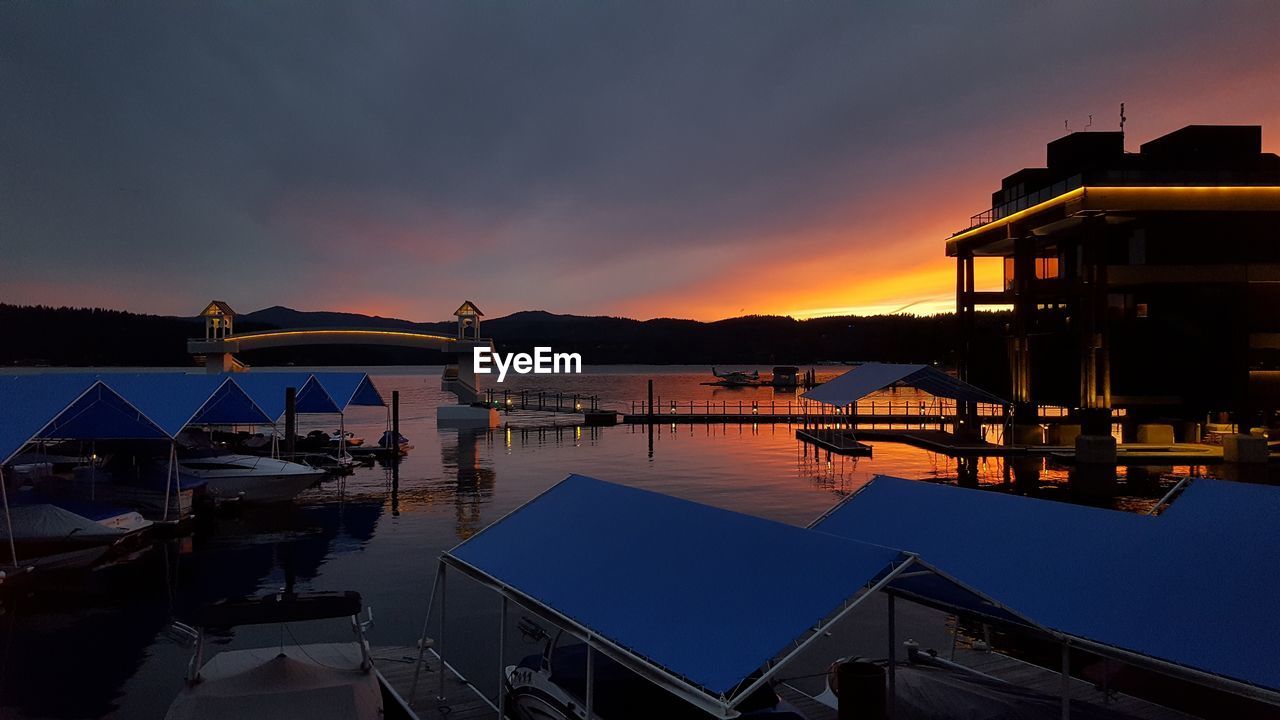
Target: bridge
221	343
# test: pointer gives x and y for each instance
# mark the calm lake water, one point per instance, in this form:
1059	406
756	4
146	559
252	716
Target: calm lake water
99	647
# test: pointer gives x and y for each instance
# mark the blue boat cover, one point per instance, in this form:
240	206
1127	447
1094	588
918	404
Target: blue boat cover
267	390
870	377
29	403
707	594
349	388
1194	587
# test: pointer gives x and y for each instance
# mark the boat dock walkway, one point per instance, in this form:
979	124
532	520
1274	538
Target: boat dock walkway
762	415
841	442
1028	675
953	444
462	700
1022	674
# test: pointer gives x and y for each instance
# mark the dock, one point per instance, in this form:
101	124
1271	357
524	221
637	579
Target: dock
462	700
1022	674
763	414
955	445
841	442
1043	680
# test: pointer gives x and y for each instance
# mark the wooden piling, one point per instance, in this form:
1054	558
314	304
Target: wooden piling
291	420
395	420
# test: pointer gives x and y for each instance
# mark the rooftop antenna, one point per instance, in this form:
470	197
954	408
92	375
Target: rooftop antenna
1090	124
1066	125
1122	119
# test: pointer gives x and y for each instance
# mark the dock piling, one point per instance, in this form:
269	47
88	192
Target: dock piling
291	420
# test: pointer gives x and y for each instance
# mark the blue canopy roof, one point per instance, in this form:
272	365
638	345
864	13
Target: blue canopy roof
348	388
100	413
30	402
870	377
175	400
707	594
116	406
267	390
1186	588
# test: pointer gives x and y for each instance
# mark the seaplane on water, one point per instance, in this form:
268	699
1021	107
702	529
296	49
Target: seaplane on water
736	378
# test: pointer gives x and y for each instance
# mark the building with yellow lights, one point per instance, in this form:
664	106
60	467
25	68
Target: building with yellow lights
1146	281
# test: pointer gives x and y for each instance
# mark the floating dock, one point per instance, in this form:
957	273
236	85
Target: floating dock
955	445
841	442
1021	674
462	700
796	417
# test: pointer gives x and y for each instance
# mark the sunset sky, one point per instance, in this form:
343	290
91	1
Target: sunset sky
692	159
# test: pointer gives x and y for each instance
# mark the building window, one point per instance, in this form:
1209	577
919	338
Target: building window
1047	268
1008	273
1140	309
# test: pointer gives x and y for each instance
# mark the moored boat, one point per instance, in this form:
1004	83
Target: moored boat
250	478
345	437
390	440
312	681
46	536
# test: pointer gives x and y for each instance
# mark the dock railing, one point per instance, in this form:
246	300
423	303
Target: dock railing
871	408
542	401
872	413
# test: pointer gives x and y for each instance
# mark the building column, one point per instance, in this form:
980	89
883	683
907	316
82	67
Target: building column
966	412
1094	445
1024	408
1095	360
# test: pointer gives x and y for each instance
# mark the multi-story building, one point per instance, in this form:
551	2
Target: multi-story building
1148	281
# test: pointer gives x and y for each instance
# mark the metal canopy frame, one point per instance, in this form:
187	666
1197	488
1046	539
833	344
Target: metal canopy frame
702	698
708	700
1111	652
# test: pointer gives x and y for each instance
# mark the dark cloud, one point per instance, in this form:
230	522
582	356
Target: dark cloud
577	156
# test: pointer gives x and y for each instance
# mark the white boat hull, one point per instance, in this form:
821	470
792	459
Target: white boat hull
260	488
250	478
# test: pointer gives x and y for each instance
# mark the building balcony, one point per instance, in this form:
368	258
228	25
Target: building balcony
1124	178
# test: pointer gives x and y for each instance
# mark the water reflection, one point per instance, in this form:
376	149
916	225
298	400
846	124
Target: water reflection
474	476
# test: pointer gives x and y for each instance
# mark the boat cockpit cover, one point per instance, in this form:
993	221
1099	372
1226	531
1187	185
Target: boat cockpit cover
705	594
870	377
349	389
1194	587
29	403
267	390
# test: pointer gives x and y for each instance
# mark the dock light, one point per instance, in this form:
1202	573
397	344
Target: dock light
577	406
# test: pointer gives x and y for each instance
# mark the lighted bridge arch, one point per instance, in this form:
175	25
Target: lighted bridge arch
263	339
221	343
